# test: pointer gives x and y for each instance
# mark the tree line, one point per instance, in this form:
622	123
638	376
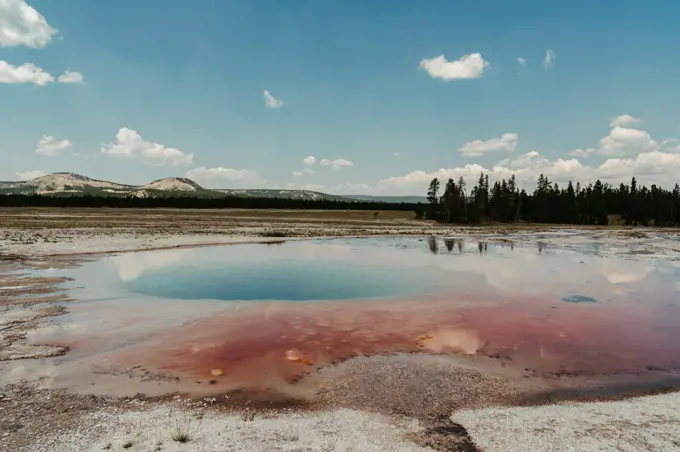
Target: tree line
596	203
187	202
453	203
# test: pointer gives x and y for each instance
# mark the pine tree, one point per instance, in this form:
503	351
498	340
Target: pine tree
433	198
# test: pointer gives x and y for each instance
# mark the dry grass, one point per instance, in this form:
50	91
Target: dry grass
31	217
184	428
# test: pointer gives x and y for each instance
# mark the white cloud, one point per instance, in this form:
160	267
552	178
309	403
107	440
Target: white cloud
669	145
129	144
311	187
271	101
649	168
620	142
549	59
507	142
337	163
30	73
531	158
28	175
215	177
303	172
71	77
521	61
624	121
623	141
48	145
469	66
396	154
311	160
21	25
582	152
647	163
26	73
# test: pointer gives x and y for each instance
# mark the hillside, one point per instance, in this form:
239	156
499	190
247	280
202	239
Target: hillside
65	184
173	184
70	184
391	199
307	195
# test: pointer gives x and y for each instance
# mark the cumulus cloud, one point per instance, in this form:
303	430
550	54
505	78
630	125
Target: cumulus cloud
620	142
521	61
216	177
22	25
649	168
311	160
469	66
549	59
130	145
26	73
303	172
71	77
48	145
529	159
270	101
630	153
624	121
337	163
30	73
670	145
507	142
29	175
623	141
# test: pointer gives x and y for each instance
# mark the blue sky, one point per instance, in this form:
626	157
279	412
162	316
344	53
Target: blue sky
173	89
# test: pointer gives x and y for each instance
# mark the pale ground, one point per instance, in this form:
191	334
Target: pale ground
35	237
641	424
154	428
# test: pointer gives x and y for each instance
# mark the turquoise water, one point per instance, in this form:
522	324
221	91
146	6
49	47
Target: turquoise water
375	268
292	280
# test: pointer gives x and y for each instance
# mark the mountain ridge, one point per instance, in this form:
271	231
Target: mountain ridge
72	184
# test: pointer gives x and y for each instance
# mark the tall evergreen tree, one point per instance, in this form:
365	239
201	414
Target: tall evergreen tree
433	198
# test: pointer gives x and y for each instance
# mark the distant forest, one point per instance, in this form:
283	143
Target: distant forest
188	202
549	203
596	204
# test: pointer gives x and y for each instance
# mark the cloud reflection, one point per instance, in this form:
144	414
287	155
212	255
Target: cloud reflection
623	272
131	266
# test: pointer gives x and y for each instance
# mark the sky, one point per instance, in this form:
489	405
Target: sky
340	96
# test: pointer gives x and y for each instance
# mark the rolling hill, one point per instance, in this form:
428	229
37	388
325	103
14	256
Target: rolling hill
307	195
391	199
71	184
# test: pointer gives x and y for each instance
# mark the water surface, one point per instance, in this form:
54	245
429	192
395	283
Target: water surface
261	314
